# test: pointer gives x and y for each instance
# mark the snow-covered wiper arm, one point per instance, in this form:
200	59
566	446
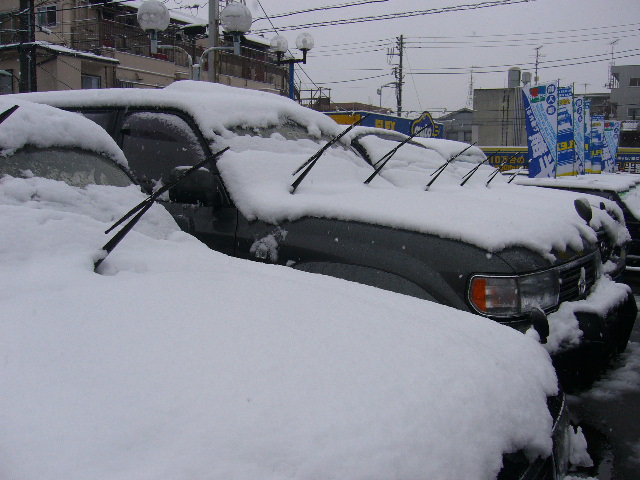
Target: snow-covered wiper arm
145	205
387	156
441	168
469	174
311	161
4	115
516	173
502	164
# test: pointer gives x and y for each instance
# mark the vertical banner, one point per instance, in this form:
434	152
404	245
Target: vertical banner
566	142
578	135
597	139
587	135
541	111
610	146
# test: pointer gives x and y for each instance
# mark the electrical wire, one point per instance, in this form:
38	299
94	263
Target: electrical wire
390	16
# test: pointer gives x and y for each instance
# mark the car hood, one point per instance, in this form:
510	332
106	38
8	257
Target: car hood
177	361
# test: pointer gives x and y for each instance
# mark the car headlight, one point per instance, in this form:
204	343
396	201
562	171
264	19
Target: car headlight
508	296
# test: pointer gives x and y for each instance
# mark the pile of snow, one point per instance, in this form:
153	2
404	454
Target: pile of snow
258	174
180	362
31	124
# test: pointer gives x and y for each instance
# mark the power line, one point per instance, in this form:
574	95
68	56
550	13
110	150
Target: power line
390	16
328	7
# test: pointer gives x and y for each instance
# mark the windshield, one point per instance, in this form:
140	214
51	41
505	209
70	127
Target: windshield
75	167
275	137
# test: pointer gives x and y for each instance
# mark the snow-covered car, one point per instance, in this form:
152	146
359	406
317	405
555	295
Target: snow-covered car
479	249
622	188
176	361
409	165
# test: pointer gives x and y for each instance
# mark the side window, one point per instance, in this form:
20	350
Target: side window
155	143
106	119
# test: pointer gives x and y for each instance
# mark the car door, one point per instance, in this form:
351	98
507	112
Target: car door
155	143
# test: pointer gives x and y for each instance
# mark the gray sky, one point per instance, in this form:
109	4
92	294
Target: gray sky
441	49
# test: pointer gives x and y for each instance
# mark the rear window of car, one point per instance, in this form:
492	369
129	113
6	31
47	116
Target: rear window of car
75	167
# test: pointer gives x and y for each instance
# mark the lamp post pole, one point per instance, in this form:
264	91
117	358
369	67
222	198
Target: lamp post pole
214	22
279	44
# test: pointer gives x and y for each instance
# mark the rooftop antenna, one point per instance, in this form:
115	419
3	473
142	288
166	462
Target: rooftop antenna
470	94
612	82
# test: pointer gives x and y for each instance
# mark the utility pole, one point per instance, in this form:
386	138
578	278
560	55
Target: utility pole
536	78
27	47
399	76
470	93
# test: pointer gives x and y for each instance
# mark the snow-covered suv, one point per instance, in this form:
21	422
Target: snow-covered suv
515	255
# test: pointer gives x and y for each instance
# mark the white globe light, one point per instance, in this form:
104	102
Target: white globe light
304	41
279	44
153	15
236	18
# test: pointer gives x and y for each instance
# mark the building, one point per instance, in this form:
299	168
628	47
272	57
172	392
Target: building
625	91
99	44
458	125
498	117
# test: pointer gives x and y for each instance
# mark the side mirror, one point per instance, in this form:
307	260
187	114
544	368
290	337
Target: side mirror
201	187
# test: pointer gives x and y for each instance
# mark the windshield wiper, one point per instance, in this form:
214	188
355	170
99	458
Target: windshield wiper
387	156
517	172
502	164
4	115
145	205
441	168
311	161
469	174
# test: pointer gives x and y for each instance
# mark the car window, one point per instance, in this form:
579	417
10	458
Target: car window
76	167
106	119
155	143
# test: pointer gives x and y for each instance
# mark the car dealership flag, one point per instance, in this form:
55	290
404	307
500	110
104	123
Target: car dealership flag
566	141
578	134
597	141
610	146
541	111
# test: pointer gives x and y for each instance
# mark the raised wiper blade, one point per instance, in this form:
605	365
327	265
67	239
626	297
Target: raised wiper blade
145	205
387	156
502	164
469	174
441	168
311	161
4	115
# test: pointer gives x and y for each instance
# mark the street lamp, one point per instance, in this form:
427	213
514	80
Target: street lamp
379	91
236	20
153	16
279	44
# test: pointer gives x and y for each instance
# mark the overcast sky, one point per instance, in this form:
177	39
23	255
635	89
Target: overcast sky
441	48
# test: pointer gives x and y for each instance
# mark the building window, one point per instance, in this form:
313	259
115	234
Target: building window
634	113
6	82
91	81
634	82
47	16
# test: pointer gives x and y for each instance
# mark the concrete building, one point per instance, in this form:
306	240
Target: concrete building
498	117
458	125
99	44
625	91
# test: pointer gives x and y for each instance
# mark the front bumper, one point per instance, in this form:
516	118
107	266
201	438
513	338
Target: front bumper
603	337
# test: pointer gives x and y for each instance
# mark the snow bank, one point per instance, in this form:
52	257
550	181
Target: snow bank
180	362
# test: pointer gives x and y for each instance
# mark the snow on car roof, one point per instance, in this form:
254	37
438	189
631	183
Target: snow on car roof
44	126
161	368
258	173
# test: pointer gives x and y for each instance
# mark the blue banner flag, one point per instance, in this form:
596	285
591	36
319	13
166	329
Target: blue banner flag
597	142
578	134
566	141
541	112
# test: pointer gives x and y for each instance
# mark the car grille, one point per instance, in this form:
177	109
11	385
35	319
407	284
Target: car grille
577	278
